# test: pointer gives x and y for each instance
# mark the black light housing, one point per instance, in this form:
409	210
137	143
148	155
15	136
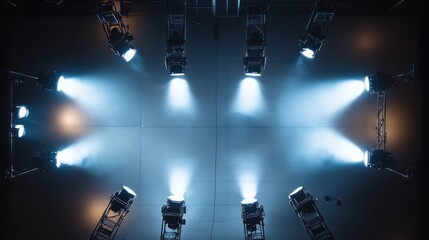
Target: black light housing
313	38
45	161
123	198
48	80
121	44
379	158
21	112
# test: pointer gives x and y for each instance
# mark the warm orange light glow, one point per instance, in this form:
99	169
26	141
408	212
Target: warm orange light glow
71	121
366	40
94	209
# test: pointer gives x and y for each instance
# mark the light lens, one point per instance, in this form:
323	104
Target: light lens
249	201
367	83
253	74
365	158
129	54
21	130
308	53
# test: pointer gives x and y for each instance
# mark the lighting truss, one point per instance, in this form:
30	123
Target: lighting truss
119	39
305	207
253	214
118	207
43	161
175	60
380	83
313	38
172	218
255	60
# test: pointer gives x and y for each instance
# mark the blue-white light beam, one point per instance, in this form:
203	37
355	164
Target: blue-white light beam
179	96
78	152
327	143
179	178
249	99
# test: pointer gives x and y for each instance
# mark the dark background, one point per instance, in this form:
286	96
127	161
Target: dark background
126	133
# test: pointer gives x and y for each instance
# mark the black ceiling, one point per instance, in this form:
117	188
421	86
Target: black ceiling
221	8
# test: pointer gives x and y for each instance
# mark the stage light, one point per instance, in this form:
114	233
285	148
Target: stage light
21	111
179	96
49	81
249	201
308	53
113	216
119	39
121	44
122	198
179	178
365	158
255	60
172	218
305	207
253	215
381	82
18	130
313	38
381	159
45	161
175	59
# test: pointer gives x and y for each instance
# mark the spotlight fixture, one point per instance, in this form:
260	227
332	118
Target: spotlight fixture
304	204
116	210
118	37
45	161
175	60
18	130
254	60
49	80
381	159
172	218
313	38
253	214
380	82
21	111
